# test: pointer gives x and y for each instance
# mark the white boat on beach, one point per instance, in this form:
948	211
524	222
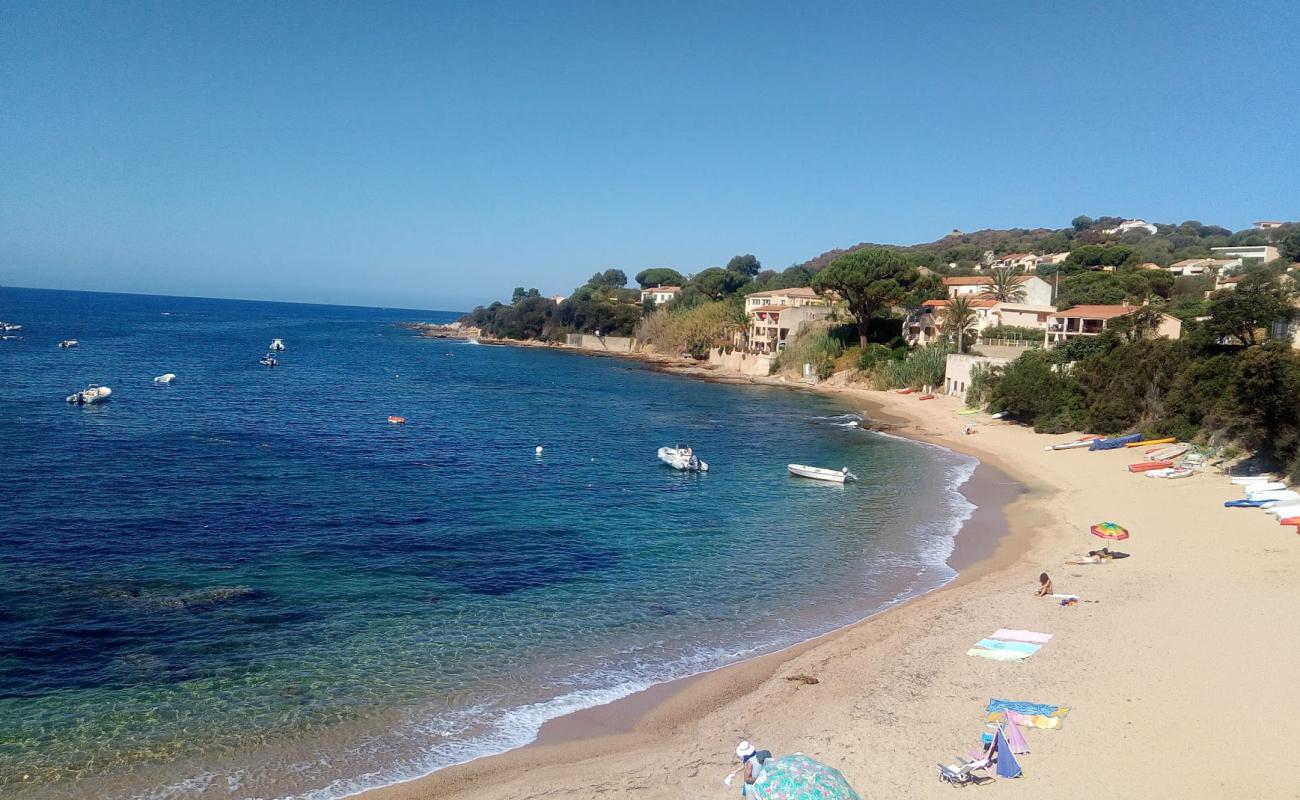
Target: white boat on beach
821	474
90	395
1246	480
1168	453
277	345
682	458
1085	441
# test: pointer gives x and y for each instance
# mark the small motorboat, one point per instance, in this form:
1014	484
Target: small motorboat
69	343
682	458
397	420
163	380
268	360
841	475
277	345
9	327
91	395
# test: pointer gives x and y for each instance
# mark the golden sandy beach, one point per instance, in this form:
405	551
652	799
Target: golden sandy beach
1181	668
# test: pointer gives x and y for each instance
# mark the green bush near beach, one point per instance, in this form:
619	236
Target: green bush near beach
694	330
1189	388
816	345
922	367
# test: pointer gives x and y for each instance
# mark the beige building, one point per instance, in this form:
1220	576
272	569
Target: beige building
925	325
1062	326
770	327
660	294
1267	225
1038	292
788	298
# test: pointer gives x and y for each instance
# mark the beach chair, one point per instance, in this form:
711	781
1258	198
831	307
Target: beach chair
963	772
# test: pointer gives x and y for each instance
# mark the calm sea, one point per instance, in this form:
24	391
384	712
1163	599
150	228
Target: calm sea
249	584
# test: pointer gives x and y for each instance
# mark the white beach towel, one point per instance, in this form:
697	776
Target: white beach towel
998	655
1065	596
1021	636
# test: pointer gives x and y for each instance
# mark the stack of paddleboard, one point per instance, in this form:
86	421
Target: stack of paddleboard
1168	453
1271	495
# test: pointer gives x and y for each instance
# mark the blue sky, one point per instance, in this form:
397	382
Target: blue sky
425	155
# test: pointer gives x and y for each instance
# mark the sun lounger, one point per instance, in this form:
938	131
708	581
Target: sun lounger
960	775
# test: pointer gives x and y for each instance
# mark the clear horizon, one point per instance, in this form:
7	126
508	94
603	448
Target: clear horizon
401	155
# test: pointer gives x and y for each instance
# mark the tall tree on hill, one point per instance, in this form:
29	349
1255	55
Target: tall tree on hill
1002	286
659	276
1289	247
745	265
1256	303
717	283
870	280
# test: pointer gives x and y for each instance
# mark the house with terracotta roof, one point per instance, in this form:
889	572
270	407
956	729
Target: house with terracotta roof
925	324
660	294
1093	320
1267	225
1038	292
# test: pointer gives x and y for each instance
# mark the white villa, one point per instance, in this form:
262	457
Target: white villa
1201	266
1062	326
1262	253
1132	225
660	294
777	315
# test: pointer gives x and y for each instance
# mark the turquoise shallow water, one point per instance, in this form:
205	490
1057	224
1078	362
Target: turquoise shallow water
248	584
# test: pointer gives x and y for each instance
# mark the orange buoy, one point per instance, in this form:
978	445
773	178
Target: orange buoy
397	420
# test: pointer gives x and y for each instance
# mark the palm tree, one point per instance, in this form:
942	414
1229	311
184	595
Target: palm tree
1003	286
958	319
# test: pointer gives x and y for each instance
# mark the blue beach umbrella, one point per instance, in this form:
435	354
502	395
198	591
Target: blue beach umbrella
799	777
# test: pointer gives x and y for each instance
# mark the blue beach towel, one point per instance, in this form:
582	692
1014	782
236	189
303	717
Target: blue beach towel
998	644
1022	707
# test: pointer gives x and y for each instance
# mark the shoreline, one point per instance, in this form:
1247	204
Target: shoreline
984	544
1157	662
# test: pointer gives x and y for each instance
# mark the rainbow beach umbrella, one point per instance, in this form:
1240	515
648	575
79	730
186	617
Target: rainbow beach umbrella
799	777
1109	530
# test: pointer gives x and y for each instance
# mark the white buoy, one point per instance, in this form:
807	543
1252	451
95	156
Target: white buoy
538	450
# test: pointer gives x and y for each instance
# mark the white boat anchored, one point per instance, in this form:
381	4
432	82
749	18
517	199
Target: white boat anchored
682	458
165	378
841	475
91	395
9	326
69	343
277	345
269	360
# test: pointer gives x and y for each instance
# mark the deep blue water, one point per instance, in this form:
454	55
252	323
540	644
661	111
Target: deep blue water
249	584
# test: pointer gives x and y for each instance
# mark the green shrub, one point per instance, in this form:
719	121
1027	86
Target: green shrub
922	367
814	345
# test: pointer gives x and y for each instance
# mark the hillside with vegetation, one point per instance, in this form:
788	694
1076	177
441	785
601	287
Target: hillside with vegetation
1224	382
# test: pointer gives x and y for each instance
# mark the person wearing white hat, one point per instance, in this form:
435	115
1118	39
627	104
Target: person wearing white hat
753	764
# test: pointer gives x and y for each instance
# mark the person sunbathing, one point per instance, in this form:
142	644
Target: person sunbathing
1044	586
